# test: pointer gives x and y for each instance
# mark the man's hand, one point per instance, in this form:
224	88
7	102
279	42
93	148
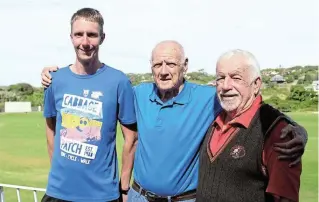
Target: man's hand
123	198
294	148
46	77
123	193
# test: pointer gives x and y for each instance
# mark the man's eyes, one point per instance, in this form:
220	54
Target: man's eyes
170	64
91	35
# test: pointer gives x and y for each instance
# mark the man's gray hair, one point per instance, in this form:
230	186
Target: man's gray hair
251	61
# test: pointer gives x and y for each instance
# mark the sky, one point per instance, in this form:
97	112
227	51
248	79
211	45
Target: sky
35	33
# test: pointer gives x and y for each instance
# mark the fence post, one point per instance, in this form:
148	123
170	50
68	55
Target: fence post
1	194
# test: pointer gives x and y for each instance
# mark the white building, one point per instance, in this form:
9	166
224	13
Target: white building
315	85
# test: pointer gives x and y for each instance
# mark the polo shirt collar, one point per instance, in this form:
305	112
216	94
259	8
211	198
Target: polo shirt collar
182	98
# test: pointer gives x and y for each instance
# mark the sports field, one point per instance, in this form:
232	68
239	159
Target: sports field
24	159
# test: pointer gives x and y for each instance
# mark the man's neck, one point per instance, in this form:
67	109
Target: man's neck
169	94
86	68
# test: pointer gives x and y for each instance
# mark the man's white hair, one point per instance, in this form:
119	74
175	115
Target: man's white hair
250	59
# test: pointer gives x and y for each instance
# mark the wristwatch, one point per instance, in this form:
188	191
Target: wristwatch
124	191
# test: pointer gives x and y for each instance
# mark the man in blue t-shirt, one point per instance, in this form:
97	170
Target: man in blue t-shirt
173	116
82	108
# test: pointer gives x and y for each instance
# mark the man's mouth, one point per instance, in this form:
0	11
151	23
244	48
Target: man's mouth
228	96
86	51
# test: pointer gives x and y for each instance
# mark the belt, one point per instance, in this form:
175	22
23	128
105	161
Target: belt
151	197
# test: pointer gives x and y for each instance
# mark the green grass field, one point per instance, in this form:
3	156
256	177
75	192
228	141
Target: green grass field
24	159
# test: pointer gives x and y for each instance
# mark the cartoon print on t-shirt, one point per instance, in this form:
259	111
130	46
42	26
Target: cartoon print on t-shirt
81	127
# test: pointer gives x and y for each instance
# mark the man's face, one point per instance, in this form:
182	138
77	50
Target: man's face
168	66
86	38
235	87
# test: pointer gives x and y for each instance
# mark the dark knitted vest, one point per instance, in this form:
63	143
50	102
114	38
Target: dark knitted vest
236	172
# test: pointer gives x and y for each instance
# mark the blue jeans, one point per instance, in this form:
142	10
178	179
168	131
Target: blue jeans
134	196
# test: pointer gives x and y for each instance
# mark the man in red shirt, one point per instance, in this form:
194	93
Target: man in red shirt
238	160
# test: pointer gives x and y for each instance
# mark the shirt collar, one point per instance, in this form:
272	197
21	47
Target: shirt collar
182	98
243	118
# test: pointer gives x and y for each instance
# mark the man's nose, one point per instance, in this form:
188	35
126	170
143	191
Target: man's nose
164	70
228	84
85	41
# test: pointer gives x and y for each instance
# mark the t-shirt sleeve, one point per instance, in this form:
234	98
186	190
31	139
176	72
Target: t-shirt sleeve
284	181
126	113
49	109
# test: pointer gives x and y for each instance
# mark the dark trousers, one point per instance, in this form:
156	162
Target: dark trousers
47	198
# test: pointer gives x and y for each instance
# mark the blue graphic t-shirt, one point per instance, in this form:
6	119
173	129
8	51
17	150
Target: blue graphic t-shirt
87	107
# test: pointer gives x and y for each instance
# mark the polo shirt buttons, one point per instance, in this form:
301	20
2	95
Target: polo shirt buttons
159	122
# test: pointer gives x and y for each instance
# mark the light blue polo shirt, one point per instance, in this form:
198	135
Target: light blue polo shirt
170	135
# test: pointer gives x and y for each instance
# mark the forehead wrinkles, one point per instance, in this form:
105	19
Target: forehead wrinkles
167	53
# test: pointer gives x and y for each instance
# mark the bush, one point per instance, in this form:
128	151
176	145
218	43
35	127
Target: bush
284	107
1	107
300	81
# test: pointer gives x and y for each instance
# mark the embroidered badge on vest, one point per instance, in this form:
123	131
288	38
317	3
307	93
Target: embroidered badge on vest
237	152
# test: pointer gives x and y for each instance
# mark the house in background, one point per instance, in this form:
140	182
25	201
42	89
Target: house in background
277	79
315	85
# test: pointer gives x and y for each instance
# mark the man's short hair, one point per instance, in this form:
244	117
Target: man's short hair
250	59
89	14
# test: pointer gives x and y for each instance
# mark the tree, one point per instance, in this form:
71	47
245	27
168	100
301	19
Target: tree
308	78
300	81
266	79
22	89
290	79
297	93
36	98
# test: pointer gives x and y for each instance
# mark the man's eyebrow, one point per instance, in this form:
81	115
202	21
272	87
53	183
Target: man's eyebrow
238	71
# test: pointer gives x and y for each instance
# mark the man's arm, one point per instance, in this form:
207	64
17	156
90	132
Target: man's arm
284	181
50	133
127	118
130	141
50	113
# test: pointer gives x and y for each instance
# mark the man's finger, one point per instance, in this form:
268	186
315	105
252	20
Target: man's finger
45	84
283	151
286	130
50	69
290	144
47	75
285	157
54	69
46	80
290	152
295	162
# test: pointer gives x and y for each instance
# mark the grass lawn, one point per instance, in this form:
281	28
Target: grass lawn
24	159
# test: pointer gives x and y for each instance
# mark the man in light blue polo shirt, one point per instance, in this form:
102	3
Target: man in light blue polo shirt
172	116
171	125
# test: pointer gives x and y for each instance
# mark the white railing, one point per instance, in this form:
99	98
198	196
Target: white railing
18	188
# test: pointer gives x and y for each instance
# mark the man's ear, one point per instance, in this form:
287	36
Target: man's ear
102	38
257	85
185	65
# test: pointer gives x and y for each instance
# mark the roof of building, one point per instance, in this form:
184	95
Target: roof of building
277	78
